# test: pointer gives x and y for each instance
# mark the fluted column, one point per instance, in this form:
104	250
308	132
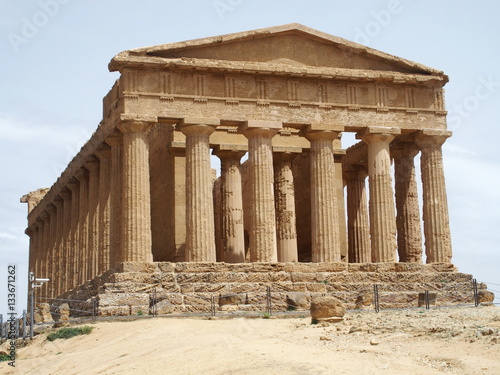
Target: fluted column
45	260
324	211
52	250
32	232
58	259
136	224
233	240
104	155
66	243
382	209
407	206
83	221
40	248
263	246
435	203
200	229
74	245
358	227
116	199
92	165
285	207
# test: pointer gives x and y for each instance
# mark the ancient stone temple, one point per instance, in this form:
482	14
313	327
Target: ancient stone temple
142	188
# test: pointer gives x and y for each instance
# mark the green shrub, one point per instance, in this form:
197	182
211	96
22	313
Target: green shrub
66	333
4	357
266	315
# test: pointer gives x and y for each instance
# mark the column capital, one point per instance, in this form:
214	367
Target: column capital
321	135
58	202
51	209
428	138
92	163
131	123
73	184
266	129
402	149
355	171
82	174
374	134
39	222
44	216
114	139
196	128
231	153
65	194
103	152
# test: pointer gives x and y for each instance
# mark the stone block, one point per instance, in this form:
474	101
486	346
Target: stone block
139	310
114	311
147	267
485	296
62	315
42	313
123	299
171	287
232	299
163	307
298	301
326	307
432	299
166	267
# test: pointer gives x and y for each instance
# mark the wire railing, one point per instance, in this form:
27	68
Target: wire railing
264	303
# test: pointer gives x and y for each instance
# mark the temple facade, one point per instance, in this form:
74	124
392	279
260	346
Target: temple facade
142	189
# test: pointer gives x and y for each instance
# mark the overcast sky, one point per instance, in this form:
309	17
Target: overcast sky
55	53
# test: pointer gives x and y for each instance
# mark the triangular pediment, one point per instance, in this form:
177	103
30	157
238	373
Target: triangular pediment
288	45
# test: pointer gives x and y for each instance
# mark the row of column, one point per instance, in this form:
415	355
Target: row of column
100	218
374	228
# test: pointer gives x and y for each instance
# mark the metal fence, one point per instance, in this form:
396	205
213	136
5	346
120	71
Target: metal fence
264	303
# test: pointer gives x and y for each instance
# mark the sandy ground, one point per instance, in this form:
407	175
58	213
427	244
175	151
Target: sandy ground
453	340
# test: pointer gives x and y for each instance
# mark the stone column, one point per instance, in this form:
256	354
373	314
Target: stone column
104	155
382	209
52	251
116	199
136	224
74	244
32	232
45	259
92	165
358	227
67	265
59	271
407	206
233	240
435	203
40	248
200	230
324	211
285	207
83	222
260	166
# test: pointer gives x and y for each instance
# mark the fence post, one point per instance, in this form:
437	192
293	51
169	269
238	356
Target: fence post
32	313
269	301
476	294
426	297
25	320
375	298
94	310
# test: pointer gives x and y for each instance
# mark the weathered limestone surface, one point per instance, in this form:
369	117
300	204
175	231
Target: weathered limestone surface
263	217
285	208
142	187
200	241
407	206
382	212
325	230
232	236
435	203
189	287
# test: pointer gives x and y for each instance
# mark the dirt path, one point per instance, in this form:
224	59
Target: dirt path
453	341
